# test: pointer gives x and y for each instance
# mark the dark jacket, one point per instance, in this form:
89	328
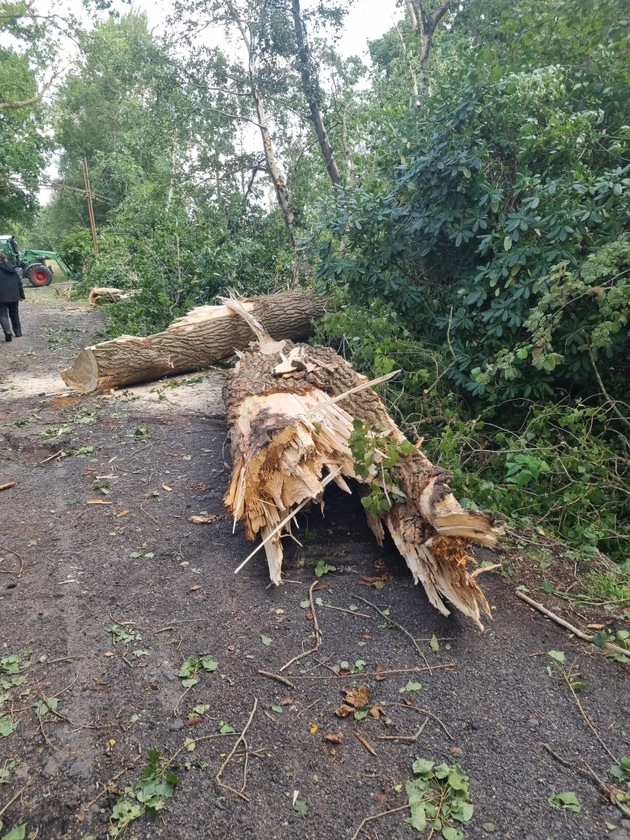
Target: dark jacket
11	288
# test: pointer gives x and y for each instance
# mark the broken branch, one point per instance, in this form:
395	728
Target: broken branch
562	623
318	632
240	738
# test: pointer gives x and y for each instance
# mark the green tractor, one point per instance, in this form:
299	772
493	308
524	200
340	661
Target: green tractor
33	263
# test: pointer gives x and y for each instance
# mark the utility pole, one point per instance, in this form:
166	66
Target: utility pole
88	195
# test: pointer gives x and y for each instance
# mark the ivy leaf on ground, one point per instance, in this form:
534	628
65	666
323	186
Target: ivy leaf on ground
411	686
567	800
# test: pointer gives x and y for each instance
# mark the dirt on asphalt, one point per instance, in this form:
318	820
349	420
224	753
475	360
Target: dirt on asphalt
132	698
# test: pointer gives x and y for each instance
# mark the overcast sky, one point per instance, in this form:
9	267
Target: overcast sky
367	20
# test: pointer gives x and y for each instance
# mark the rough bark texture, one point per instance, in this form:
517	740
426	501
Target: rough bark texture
289	439
194	342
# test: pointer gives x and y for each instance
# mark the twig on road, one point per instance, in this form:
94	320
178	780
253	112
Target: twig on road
318	632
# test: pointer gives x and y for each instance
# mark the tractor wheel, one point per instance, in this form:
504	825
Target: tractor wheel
39	275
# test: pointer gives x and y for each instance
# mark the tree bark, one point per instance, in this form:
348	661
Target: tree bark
312	93
194	342
279	182
425	24
289	437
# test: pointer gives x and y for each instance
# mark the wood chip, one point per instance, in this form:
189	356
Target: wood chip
202	520
8	485
365	743
97	502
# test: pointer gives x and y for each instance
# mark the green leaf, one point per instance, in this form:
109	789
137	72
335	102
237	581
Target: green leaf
277	709
7	726
450	833
17	833
208	663
5	773
324	568
435	645
226	729
566	800
43	707
301	808
489	827
456	780
556	655
411	686
466	811
601	638
266	640
422	767
9	665
418	818
189	666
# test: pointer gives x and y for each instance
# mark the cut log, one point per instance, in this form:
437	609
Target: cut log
195	342
291	412
101	295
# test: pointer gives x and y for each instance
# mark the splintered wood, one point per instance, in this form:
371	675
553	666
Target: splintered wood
290	411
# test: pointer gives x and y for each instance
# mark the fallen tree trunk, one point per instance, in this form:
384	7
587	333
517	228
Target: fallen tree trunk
197	341
101	295
300	417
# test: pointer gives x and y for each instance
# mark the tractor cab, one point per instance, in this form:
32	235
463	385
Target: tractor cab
32	264
10	247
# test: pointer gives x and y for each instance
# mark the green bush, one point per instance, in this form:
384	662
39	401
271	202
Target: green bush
558	466
495	187
176	263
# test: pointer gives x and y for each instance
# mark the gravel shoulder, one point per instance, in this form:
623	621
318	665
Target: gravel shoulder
125	631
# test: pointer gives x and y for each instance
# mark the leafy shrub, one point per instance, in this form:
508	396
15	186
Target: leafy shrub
176	264
76	249
495	187
561	466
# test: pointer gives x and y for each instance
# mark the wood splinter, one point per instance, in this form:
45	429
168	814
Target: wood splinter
290	411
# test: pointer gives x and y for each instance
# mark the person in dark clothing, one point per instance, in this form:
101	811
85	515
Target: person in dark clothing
11	293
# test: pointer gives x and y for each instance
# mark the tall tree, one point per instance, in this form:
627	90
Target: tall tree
119	109
247	32
313	93
425	21
25	77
